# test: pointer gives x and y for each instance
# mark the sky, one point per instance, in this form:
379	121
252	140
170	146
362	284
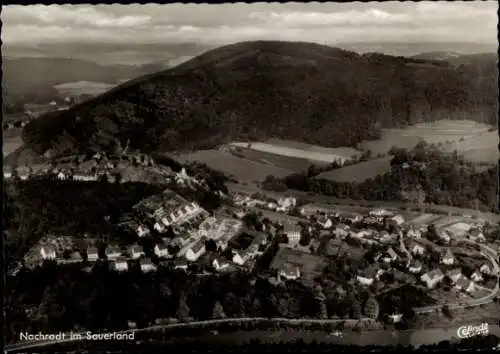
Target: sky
326	23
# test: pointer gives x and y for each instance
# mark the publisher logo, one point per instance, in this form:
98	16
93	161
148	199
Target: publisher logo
472	331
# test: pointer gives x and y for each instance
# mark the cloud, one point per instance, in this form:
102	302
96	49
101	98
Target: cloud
221	24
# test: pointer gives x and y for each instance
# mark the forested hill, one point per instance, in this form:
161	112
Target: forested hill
255	90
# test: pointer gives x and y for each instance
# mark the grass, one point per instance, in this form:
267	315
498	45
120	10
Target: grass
11	144
308	264
83	87
241	169
359	172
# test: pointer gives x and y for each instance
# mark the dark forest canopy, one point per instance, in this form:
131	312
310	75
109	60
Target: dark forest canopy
256	90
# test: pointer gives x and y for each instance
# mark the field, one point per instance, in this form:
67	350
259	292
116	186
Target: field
11	142
292	164
360	171
241	169
302	151
478	143
83	87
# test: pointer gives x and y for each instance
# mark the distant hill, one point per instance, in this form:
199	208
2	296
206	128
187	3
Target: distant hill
268	89
29	74
438	55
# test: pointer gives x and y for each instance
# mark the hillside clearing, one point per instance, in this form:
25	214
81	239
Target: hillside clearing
359	172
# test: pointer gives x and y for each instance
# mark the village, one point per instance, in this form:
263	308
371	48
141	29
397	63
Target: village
447	257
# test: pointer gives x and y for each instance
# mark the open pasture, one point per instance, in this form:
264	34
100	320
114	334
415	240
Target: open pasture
83	88
11	144
445	132
360	171
241	169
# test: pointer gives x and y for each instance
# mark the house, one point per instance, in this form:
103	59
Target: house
368	276
136	252
161	250
391	256
476	276
385	237
351	217
120	264
398	219
444	236
362	233
342	230
465	284
220	264
112	253
417	249
289	272
447	257
485	269
454	275
142	231
181	263
196	251
292	232
159	227
415	266
48	252
396	317
414	233
285	204
61	176
432	278
380	212
92	254
325	222
147	265
475	234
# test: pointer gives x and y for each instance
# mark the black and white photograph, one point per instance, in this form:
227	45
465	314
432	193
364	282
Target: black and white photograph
243	177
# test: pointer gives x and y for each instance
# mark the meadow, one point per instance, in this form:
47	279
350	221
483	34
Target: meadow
241	169
360	171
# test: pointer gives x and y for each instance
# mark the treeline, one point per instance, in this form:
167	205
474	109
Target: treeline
423	175
256	90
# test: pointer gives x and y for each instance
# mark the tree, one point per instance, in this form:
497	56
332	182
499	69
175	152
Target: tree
371	308
356	309
183	310
218	311
323	311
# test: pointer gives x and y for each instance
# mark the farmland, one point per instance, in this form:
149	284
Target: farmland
241	169
83	88
275	148
360	171
478	144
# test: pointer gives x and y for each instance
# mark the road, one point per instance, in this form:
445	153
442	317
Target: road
76	338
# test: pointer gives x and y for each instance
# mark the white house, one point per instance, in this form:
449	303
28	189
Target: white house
380	212
485	269
414	233
391	256
48	252
196	251
159	227
415	267
121	264
398	219
432	278
61	176
142	231
368	276
136	252
112	253
289	272
396	317
417	249
147	265
444	236
285	204
447	257
220	264
181	263
325	222
161	250
365	280
476	276
239	258
292	232
92	254
342	230
454	275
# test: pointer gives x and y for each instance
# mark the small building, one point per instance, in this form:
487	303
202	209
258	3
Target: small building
142	231
61	176
120	264
325	222
485	269
414	233
398	219
465	284
476	276
368	276
112	253
292	232
447	257
160	227
285	204
342	230
181	263
380	212
196	251
391	256
92	254
48	252
454	275
417	249
475	234
220	264
161	250
432	278
415	266
136	252
289	272
396	317
444	235
146	265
